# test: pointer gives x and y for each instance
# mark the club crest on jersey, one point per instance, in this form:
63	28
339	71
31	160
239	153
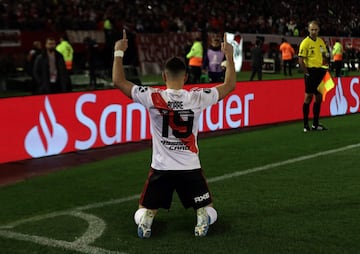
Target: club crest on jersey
142	89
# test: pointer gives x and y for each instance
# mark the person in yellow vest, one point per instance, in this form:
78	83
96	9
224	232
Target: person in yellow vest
109	33
287	54
67	51
313	55
337	53
195	56
296	31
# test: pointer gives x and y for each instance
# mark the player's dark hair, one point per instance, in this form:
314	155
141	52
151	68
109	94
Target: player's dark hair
175	66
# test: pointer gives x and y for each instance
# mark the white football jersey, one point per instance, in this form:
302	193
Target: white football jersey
174	121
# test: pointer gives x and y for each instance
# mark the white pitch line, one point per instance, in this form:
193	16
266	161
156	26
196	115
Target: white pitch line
210	180
69	211
281	163
82	245
57	243
95	229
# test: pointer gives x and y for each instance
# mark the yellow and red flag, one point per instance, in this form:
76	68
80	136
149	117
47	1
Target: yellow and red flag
326	85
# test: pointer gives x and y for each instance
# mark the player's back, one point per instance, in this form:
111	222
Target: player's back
174	124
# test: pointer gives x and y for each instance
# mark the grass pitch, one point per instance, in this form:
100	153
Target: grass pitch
276	190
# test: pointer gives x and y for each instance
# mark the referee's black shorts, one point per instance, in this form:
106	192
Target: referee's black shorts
190	185
313	80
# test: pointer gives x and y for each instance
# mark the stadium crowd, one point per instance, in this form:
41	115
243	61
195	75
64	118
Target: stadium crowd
154	16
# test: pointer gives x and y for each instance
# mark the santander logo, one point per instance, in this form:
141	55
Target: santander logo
47	138
338	103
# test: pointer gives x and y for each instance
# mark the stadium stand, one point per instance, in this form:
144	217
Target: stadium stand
288	18
263	16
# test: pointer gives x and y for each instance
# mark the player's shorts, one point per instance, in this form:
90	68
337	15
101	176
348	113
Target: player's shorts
313	80
190	185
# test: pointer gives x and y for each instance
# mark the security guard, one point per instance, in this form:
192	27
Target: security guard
337	53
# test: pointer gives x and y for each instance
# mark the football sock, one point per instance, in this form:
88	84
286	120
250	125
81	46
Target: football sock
316	112
306	114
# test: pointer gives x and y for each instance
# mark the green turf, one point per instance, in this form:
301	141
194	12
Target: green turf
309	206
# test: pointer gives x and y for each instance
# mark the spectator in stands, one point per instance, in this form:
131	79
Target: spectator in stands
195	56
30	61
31	56
291	27
50	71
350	55
91	52
67	51
213	59
257	60
282	15
109	32
337	54
296	31
357	55
5	63
287	54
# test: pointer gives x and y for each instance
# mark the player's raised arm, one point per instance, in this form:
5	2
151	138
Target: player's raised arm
230	74
118	74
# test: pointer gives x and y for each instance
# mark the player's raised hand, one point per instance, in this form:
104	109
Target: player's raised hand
227	48
122	44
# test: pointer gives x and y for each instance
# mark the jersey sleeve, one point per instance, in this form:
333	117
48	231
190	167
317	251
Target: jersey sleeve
205	97
142	95
302	49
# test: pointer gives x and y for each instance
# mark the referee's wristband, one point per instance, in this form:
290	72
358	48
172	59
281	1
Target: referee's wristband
119	53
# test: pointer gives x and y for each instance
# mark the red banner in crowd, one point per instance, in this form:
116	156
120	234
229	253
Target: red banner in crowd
37	126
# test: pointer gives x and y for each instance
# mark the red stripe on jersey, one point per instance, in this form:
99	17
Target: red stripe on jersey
160	103
141	200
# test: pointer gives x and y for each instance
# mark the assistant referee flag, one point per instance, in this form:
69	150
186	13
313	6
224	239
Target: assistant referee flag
326	85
